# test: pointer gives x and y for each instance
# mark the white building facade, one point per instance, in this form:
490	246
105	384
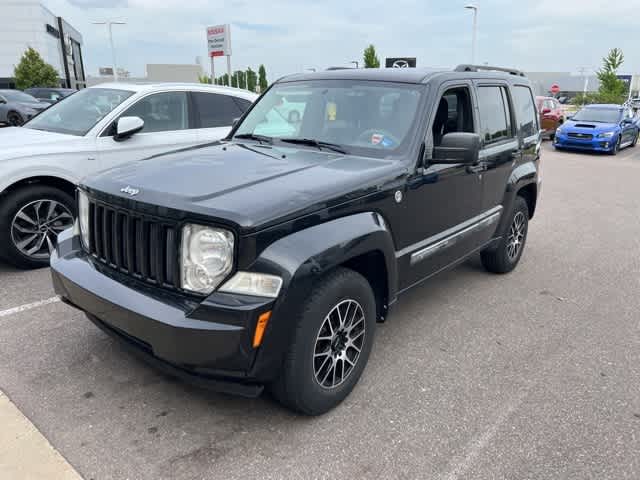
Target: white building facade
28	23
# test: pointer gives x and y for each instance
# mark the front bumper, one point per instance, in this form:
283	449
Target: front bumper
593	144
207	342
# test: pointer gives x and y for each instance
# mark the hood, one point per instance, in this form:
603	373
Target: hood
249	186
590	127
33	105
19	142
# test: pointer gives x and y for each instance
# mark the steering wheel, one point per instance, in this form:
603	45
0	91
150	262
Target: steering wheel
365	137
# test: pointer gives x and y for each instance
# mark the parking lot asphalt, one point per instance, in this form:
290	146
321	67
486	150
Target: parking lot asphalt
531	375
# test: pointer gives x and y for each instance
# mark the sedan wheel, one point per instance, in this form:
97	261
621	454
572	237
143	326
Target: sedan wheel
14	119
35	227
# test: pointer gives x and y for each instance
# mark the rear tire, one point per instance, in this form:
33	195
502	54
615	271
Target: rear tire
14	119
315	376
505	257
33	214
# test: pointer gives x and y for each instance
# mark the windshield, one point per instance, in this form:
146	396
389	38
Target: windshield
364	117
78	113
17	96
598	115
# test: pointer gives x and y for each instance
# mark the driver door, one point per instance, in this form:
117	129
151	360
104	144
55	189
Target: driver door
443	202
167	127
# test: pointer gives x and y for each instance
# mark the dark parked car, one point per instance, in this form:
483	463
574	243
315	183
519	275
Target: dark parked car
267	259
50	95
17	107
551	115
599	128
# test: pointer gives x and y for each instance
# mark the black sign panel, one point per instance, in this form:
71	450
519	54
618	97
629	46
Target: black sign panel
400	62
52	31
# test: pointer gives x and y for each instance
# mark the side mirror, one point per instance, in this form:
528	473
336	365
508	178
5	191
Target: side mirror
546	110
457	147
2	101
627	120
127	126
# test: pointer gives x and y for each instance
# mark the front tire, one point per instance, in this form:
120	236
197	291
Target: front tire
30	220
506	256
616	148
331	345
15	119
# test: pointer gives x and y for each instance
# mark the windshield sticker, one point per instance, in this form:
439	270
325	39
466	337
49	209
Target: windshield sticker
377	138
332	111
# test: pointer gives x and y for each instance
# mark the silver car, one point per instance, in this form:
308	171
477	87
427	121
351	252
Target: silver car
17	107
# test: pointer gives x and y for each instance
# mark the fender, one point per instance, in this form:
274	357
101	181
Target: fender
24	174
522	175
305	256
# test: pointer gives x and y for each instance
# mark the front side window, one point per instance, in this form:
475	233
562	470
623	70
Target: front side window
216	110
454	114
373	118
494	116
161	112
525	111
80	112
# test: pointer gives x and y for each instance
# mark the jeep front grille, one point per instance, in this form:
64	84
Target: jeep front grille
132	243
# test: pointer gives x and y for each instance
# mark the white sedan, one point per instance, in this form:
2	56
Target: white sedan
92	130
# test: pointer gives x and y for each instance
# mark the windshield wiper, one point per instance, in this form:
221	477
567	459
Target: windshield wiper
253	136
316	143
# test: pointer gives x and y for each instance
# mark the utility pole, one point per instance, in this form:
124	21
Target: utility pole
583	71
475	31
109	23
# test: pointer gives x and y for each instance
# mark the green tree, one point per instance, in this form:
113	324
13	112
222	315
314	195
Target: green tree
204	79
612	89
234	79
262	78
252	80
33	71
371	60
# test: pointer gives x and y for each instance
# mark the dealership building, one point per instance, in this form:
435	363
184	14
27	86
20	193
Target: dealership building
28	23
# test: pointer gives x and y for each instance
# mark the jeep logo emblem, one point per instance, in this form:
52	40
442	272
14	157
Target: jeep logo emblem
130	191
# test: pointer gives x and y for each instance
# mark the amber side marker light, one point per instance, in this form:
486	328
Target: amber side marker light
263	320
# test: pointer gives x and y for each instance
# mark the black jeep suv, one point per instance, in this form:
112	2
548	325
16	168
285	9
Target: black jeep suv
266	259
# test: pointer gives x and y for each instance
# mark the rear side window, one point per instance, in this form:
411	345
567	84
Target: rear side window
525	111
242	103
495	123
215	110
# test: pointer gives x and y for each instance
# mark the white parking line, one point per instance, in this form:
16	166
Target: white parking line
28	306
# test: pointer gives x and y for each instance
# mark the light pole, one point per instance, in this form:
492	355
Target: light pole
108	23
475	30
355	62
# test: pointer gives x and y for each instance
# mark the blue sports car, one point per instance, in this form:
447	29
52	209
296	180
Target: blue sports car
599	128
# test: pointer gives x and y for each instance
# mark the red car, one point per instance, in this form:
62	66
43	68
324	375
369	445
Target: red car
551	115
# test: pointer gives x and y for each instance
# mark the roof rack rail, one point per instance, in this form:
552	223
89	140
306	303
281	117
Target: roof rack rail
475	68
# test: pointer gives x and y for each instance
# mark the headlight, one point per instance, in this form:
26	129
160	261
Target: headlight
257	284
606	135
207	257
83	217
558	130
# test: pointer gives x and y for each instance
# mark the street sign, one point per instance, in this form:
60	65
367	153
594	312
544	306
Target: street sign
105	71
219	40
555	88
400	62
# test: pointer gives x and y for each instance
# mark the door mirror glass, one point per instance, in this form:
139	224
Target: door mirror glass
457	147
128	126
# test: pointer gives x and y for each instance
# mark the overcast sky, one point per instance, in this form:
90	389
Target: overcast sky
290	35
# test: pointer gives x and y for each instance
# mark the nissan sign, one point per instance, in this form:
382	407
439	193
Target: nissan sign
219	40
400	62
